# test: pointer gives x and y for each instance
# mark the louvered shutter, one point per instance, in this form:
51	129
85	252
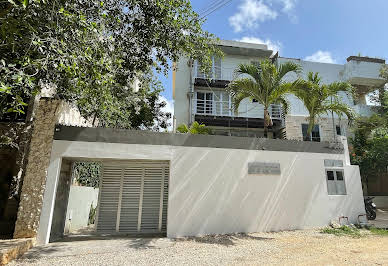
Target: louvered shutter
136	195
109	199
130	199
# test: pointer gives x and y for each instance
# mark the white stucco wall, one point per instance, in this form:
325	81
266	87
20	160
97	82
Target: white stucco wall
80	200
210	191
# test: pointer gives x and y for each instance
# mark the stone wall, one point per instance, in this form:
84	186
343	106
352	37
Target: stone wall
36	170
294	127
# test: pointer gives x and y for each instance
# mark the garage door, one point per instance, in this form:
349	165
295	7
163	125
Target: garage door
133	197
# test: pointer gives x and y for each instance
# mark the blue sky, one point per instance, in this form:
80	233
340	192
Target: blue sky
316	30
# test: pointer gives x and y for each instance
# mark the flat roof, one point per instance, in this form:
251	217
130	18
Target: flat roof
111	135
244	48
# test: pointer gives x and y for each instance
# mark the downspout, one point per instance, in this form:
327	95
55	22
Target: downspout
332	118
190	94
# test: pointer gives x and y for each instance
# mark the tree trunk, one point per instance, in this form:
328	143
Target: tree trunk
310	128
267	121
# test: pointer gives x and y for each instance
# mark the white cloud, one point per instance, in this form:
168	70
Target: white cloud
322	57
253	12
275	46
288	5
250	14
169	108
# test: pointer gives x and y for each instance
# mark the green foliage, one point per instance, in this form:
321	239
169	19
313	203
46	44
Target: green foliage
370	142
353	231
371	154
92	214
322	99
91	52
343	231
264	84
87	173
379	231
195	128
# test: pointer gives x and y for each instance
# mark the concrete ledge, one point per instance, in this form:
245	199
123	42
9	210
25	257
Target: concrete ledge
111	135
13	248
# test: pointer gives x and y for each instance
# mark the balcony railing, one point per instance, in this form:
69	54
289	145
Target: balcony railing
217	73
225	108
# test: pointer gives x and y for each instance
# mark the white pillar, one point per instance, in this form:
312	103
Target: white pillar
46	215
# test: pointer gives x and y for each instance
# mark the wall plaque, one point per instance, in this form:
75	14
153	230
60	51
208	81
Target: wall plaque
263	168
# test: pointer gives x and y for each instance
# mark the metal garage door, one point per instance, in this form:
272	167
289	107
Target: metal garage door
133	197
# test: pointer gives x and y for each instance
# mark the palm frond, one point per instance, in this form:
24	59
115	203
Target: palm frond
288	67
248	69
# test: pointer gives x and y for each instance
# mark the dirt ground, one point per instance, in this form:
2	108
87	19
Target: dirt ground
308	247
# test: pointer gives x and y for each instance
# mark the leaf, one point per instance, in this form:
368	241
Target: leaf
25	3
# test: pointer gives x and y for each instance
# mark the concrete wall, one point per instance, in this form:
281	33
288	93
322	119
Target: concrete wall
78	207
211	192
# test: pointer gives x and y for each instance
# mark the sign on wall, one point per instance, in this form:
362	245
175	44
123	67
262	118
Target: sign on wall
263	168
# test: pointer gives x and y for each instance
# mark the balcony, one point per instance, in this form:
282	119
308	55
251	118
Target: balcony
225	109
218	78
364	71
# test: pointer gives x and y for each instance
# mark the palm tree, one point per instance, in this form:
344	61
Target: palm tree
195	128
322	99
264	83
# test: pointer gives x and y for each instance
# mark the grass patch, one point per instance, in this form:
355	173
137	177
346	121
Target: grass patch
343	231
379	231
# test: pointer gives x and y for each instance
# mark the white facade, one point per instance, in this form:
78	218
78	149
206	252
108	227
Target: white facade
198	101
211	191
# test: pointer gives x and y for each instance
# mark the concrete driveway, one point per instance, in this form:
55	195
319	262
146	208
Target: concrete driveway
308	247
381	219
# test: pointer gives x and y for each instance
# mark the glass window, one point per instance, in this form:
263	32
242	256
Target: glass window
313	136
335	182
338	129
204	102
339	175
330	175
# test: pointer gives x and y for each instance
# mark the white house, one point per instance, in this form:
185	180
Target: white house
198	98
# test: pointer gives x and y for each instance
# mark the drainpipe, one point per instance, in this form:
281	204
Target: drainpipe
334	128
190	94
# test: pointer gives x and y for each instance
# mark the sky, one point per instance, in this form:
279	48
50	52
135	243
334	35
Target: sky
315	30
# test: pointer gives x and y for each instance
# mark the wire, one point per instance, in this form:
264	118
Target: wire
214	7
211	5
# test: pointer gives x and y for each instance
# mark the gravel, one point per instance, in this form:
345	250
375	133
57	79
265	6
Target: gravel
305	247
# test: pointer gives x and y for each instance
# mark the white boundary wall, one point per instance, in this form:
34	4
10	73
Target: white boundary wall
78	208
211	192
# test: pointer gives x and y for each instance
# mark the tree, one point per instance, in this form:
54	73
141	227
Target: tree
265	84
92	51
322	99
370	143
195	128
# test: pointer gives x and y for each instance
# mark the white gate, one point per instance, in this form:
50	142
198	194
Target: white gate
133	197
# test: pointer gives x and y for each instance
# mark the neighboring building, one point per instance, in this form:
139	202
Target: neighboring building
206	101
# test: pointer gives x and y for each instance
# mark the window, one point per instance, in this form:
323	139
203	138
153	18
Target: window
335	182
340	131
313	136
254	101
204	102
